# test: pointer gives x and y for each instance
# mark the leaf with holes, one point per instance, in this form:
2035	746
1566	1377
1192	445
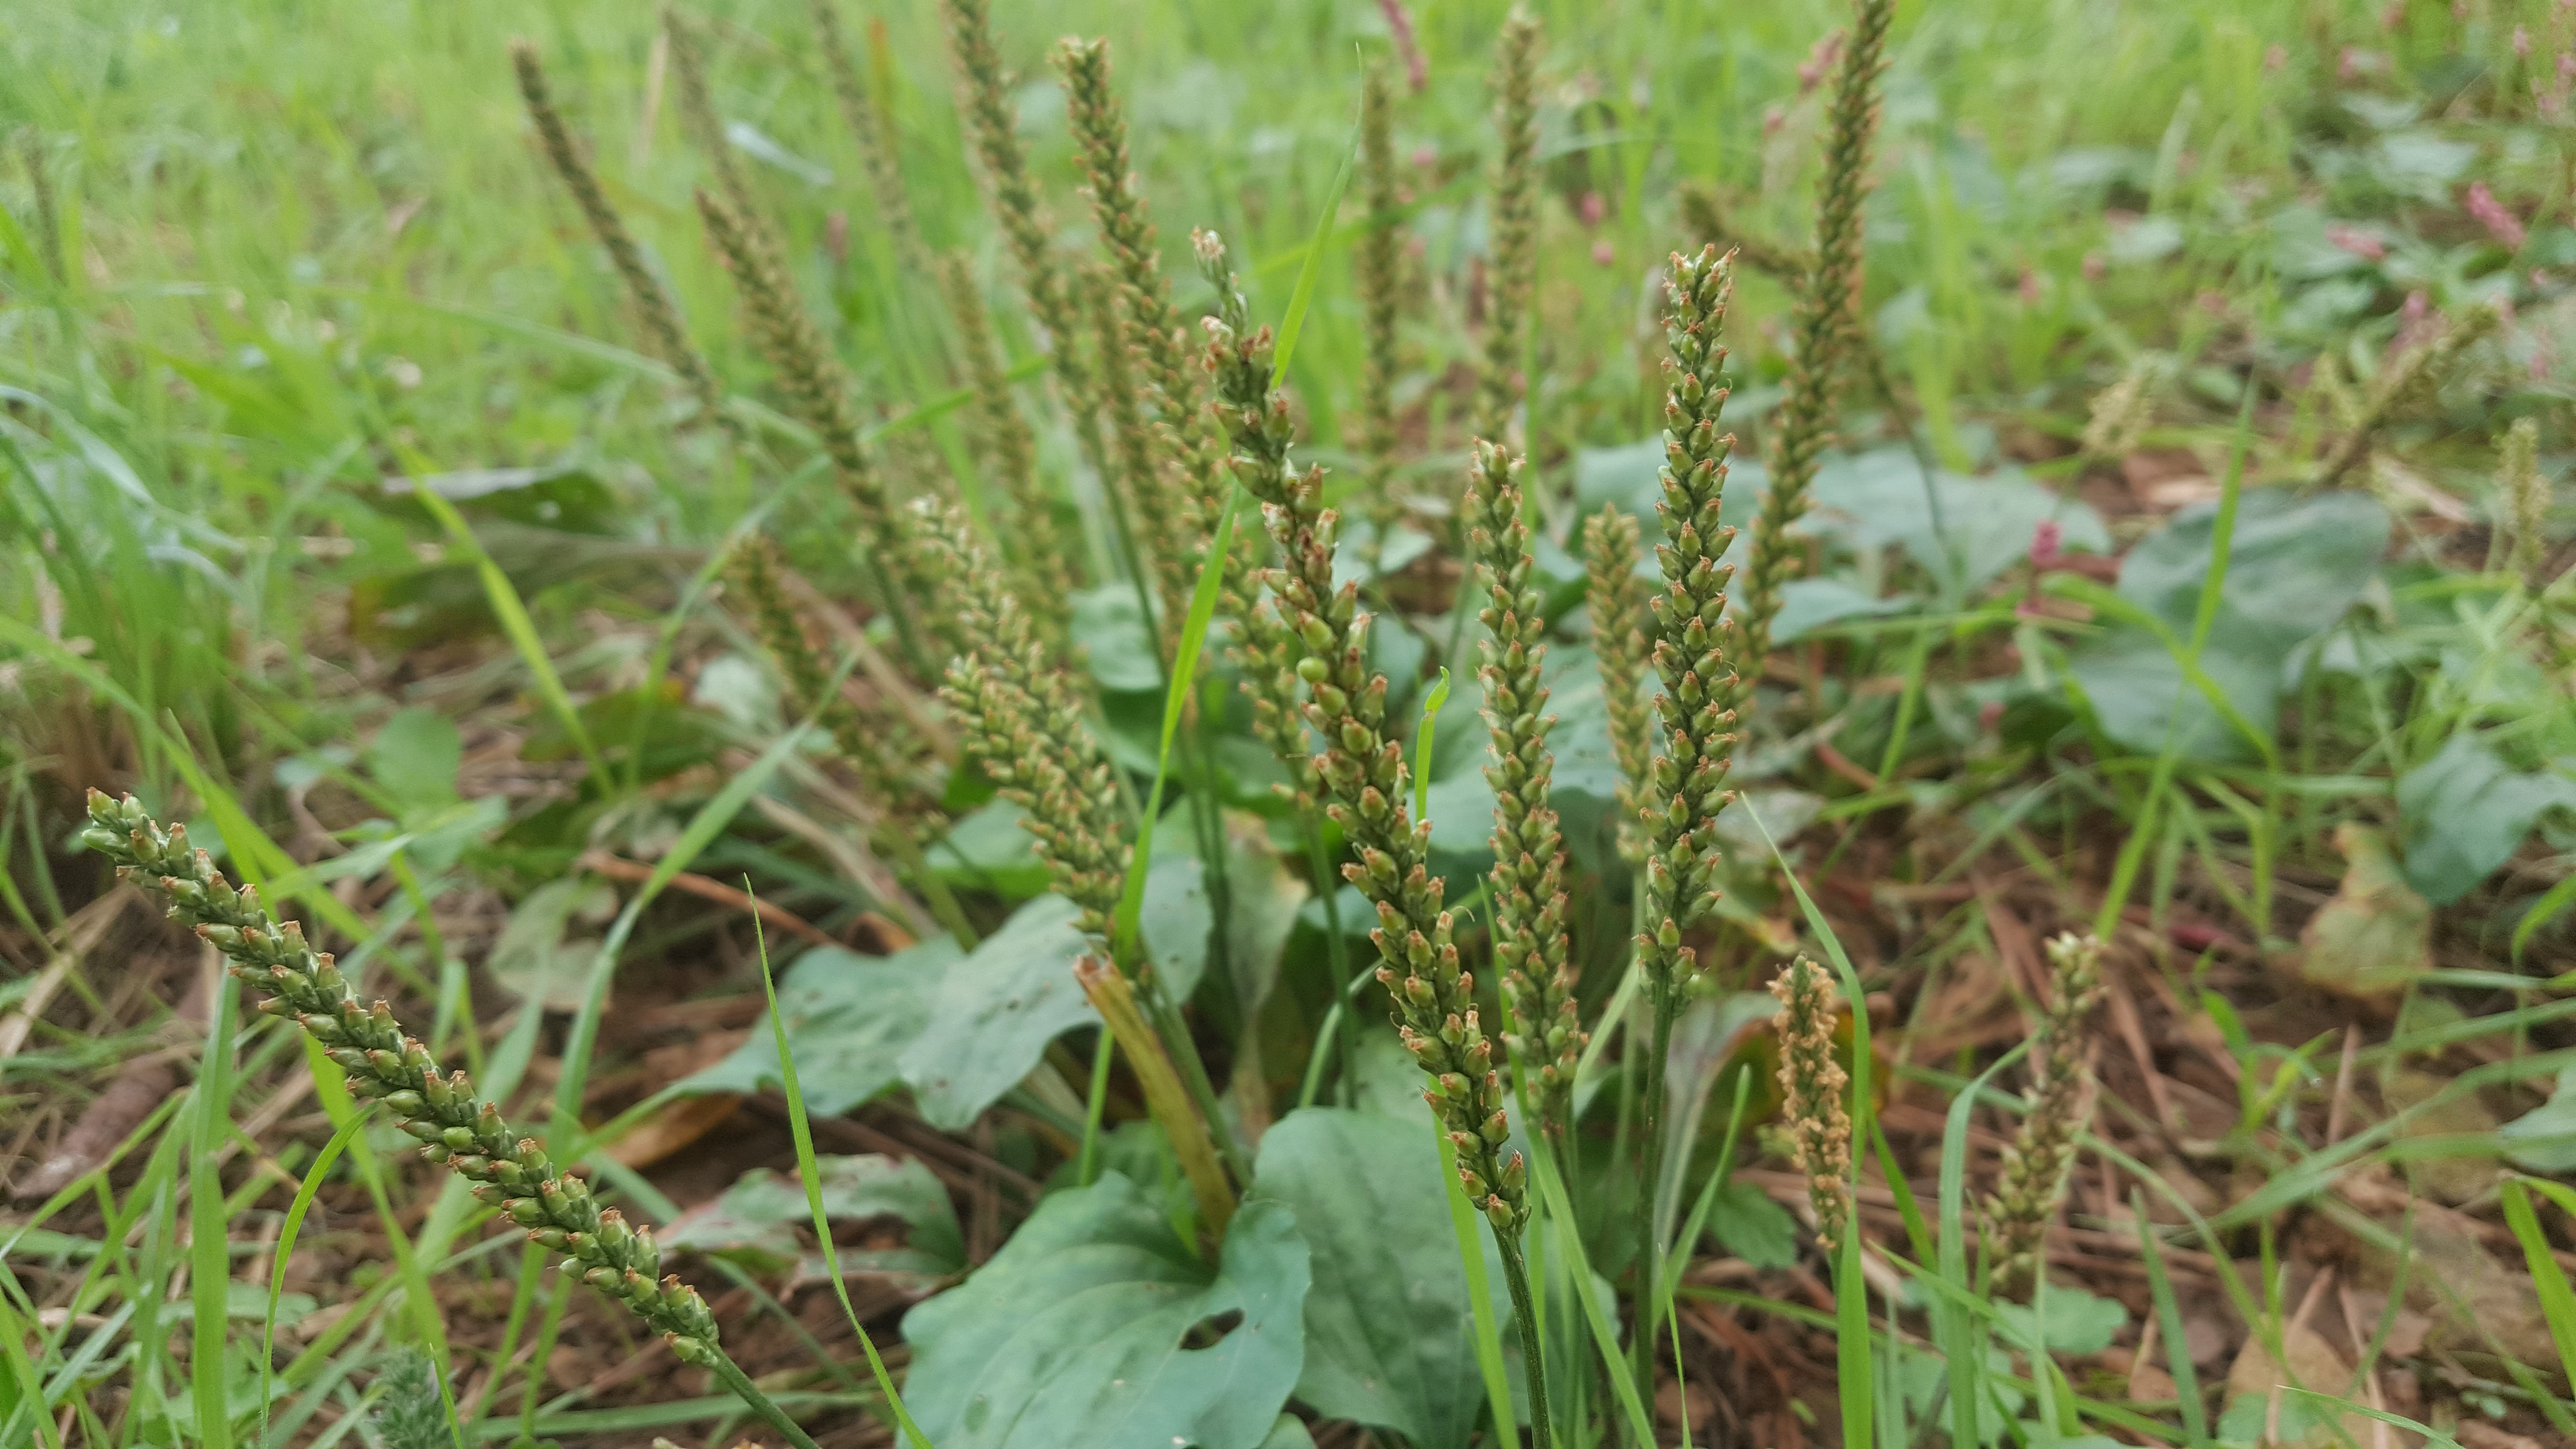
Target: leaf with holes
1389	1341
1096	1325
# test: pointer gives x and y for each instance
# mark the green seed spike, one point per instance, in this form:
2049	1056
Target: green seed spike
1377	267
1513	272
1824	332
1100	131
1619	648
1528	878
1812	1083
992	124
1020	716
697	107
390	1068
653	304
2040	1161
1043	561
1686	786
868	125
818	394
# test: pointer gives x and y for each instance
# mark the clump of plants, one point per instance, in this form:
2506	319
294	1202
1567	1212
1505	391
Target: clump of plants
1309	1064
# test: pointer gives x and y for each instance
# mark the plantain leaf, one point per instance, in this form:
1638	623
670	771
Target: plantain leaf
1096	1325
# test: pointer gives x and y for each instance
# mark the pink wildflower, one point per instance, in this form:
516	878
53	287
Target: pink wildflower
1819	61
1593	208
2500	223
2356	241
2047	538
1399	26
1603	253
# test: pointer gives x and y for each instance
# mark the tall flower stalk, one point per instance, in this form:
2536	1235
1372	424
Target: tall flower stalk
1118	207
1148	377
992	125
2040	1161
1043	559
1686	785
438	1109
1611	597
1358	772
2523	535
817	392
1376	269
1528	879
1146	515
1512	201
1021	717
1812	1082
871	128
653	304
882	749
1824	332
696	103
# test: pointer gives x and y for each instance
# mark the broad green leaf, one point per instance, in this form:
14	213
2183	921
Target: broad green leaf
415	757
1087	1329
2072	1321
1963	531
1117	644
1389	1337
849	1018
1808	604
994	1013
2544	1138
2294	567
989	849
1177	916
752	1222
2466	811
1753	1227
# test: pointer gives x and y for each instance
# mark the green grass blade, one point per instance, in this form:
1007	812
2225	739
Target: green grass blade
522	630
703	827
2557	1300
1431	703
209	1261
802	1128
1176	700
285	1247
1961	1340
1605	1337
2195	1416
1480	1293
1311	269
1856	1367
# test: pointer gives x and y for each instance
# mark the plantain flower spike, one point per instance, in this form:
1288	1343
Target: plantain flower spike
1618	650
1513	274
2040	1161
1020	717
437	1109
1812	1081
1824	330
653	305
985	102
2524	491
1376	270
1358	770
1528	879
